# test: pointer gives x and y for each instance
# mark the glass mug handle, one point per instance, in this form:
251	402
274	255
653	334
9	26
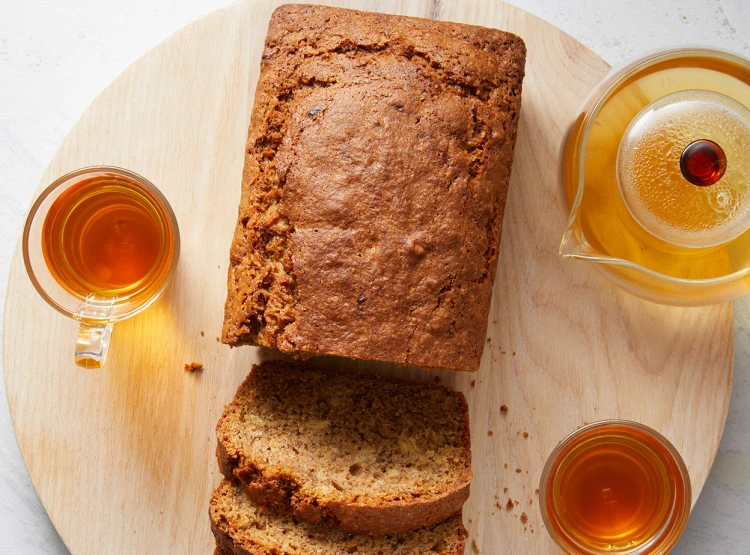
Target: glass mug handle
94	331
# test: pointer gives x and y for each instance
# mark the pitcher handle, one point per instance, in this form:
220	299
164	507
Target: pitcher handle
92	344
94	331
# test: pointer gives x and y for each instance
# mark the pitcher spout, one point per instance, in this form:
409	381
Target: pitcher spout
574	244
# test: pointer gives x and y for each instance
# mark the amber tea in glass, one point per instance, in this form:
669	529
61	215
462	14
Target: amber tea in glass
615	487
100	245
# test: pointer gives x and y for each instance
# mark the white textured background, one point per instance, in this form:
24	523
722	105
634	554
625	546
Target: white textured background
57	55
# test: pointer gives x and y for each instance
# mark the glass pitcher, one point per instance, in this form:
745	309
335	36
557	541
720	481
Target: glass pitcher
656	169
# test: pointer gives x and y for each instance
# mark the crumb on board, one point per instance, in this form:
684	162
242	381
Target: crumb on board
498	505
194	367
488	340
514	353
524	518
505	465
509	505
518	470
203	334
503	408
475	547
526	435
473	383
217	339
505	490
490	433
536	491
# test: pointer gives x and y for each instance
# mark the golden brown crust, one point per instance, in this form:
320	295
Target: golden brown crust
241	527
393	518
278	494
351	508
375	179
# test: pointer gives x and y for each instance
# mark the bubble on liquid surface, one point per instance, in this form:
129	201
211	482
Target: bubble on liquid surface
652	185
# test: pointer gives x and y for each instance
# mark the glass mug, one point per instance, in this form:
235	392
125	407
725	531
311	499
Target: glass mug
100	245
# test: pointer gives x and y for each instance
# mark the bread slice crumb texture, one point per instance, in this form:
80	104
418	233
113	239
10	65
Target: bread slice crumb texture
242	527
374	455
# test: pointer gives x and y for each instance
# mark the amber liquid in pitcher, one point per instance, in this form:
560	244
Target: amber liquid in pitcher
107	237
614	489
607	222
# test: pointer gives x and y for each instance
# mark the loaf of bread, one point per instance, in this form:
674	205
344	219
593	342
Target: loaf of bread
375	178
241	527
372	455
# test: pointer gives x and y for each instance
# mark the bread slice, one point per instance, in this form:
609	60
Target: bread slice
242	527
376	456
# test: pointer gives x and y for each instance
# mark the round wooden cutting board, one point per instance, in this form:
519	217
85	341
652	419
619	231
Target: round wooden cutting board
123	457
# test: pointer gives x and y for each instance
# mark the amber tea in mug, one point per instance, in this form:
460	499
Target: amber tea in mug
100	245
105	237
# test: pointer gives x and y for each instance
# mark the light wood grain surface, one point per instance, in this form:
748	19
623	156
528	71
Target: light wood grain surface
123	458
